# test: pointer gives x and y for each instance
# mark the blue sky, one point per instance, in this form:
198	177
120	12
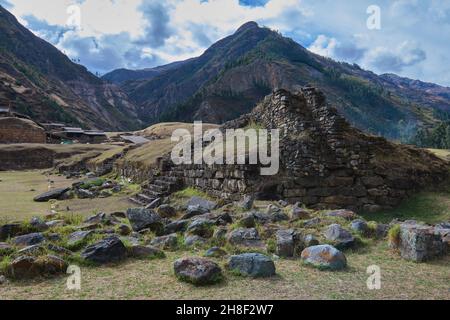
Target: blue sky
412	41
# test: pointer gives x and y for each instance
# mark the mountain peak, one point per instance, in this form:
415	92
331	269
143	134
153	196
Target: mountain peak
248	26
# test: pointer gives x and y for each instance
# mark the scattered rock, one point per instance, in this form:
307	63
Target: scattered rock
197	271
108	250
50	265
78	237
298	213
98	218
5	249
55	223
28	239
312	222
193	240
38	224
215	252
360	226
202	228
3	280
10	230
381	231
124	230
287	243
22	267
169	242
145	252
154	204
341	238
167	211
220	233
253	265
176	226
283	203
50	195
119	215
141	219
84	194
248	221
324	257
420	243
245	237
33	250
310	241
344	214
193	211
247	203
203	204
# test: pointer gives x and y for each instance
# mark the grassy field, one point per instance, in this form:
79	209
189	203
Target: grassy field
18	188
154	279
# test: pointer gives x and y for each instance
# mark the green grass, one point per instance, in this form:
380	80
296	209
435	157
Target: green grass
428	207
191	192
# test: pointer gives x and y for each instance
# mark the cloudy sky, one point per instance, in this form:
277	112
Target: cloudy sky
413	40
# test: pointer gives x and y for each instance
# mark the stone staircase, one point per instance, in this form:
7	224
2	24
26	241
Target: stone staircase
160	187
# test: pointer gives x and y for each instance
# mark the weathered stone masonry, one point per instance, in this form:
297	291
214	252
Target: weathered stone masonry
325	163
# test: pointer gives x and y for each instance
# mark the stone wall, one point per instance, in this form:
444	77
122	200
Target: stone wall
325	163
17	130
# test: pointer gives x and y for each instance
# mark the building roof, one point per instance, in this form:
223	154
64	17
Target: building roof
135	139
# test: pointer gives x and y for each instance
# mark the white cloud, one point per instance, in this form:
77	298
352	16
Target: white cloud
411	40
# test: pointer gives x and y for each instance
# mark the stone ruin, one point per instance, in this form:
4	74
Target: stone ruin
19	130
324	162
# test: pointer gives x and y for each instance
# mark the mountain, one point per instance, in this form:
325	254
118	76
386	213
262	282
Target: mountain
120	76
237	72
41	82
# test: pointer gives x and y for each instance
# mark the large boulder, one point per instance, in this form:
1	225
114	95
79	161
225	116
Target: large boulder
324	257
51	195
198	271
420	243
245	237
341	238
28	239
107	250
254	265
141	219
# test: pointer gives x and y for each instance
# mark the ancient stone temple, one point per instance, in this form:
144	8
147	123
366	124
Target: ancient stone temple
18	130
325	163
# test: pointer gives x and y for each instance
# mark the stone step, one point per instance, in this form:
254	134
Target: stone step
137	201
144	198
153	194
159	188
163	183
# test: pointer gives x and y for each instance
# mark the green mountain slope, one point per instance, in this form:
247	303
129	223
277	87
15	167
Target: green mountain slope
238	71
41	82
